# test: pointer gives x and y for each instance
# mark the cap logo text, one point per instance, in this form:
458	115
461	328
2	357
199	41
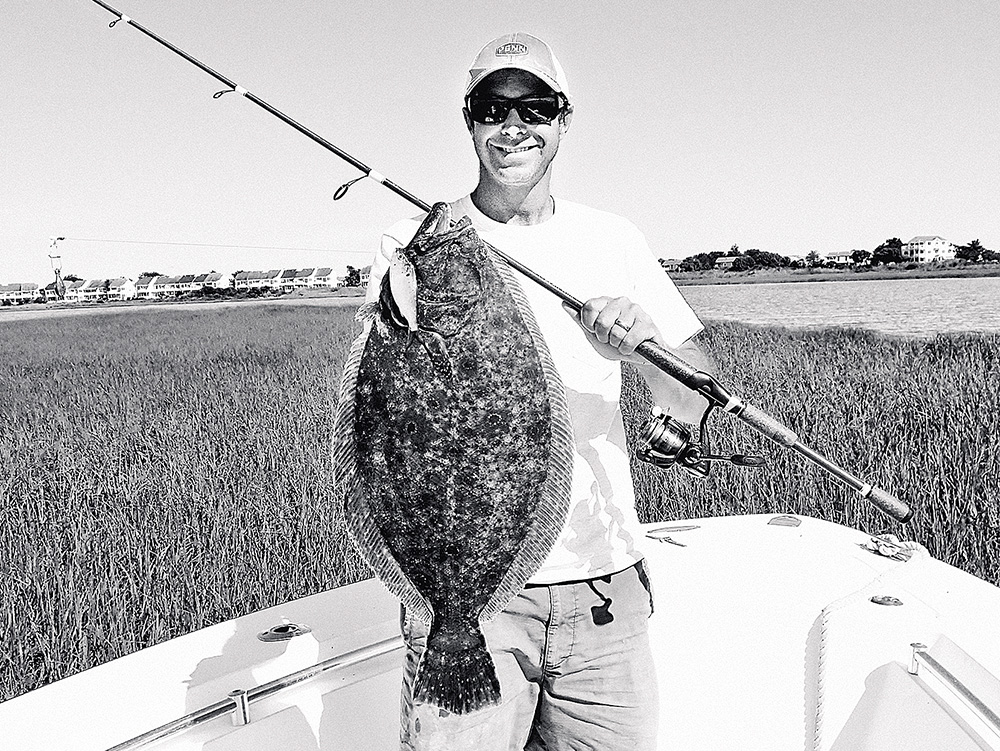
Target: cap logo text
512	48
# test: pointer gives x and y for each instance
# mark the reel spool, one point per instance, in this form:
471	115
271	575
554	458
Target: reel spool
665	441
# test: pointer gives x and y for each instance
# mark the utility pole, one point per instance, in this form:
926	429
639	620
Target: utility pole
56	262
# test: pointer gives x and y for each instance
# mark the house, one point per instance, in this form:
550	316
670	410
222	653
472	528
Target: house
927	248
74	290
725	262
93	290
18	293
670	264
323	278
839	258
366	275
245	280
144	287
50	293
166	286
303	277
272	279
120	289
286	282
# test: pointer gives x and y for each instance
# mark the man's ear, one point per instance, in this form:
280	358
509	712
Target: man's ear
565	118
468	118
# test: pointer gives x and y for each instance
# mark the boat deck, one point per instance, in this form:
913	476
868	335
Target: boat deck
766	636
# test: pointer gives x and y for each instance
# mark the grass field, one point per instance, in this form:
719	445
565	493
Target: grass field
163	470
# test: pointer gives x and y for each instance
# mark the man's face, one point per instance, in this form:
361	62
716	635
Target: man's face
513	152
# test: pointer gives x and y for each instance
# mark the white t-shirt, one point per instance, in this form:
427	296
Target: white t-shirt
587	253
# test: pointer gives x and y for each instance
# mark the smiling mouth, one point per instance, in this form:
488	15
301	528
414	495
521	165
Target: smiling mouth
526	145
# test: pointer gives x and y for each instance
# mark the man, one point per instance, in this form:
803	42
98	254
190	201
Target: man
571	650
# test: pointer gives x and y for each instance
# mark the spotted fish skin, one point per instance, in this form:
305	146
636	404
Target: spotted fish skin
455	446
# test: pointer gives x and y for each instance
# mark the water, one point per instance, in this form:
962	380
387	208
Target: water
905	307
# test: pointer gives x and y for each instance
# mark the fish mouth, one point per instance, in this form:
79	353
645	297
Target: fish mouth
519	147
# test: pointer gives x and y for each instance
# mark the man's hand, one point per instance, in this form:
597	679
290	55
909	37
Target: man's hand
618	325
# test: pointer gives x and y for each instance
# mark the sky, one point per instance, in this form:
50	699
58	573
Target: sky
783	125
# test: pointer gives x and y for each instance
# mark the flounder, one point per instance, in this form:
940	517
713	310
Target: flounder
454	446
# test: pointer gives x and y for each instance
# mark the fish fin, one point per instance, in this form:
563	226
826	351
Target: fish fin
459	681
360	522
553	507
366	312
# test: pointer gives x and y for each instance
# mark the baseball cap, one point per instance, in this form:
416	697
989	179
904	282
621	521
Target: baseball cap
522	51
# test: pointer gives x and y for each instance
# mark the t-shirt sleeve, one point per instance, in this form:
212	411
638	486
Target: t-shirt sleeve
656	292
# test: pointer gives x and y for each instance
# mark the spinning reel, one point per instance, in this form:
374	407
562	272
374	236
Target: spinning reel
664	442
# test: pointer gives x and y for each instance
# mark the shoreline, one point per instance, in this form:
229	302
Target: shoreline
49	310
770	276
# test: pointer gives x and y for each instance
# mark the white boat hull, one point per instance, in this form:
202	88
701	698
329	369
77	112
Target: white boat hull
765	637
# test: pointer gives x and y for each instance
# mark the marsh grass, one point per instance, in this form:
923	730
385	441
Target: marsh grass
164	470
919	418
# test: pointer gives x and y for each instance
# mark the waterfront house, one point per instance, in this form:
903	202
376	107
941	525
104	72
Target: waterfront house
18	293
670	264
93	290
166	286
49	292
74	290
286	282
120	289
927	248
211	280
144	287
725	262
303	277
839	258
323	278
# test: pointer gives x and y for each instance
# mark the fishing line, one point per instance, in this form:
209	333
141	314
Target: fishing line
668	362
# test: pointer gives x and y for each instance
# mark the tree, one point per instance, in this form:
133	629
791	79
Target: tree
972	252
765	260
151	273
891	251
72	278
700	261
812	258
860	257
353	277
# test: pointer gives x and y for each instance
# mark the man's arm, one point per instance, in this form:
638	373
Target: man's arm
668	393
618	326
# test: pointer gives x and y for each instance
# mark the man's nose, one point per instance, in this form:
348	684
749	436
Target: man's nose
513	121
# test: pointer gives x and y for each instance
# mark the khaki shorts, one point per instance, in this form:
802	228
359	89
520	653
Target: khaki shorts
570	677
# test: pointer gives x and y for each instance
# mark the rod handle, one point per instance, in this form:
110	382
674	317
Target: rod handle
890	505
669	363
767	425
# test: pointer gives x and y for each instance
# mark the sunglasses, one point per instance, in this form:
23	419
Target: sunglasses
533	110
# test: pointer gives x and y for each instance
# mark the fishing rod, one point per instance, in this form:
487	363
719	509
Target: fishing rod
675	367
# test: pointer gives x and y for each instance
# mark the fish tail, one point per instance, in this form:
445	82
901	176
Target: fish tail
457	677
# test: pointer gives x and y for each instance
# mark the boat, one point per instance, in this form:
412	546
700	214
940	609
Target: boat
770	632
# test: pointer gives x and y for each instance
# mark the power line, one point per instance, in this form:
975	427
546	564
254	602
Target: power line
216	245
